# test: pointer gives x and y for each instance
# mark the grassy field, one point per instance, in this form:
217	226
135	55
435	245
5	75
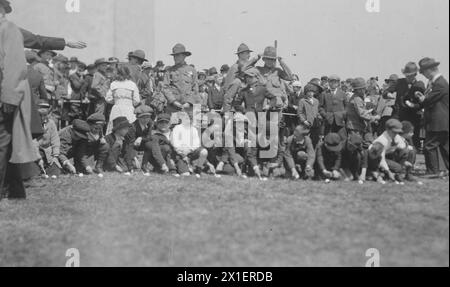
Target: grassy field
165	221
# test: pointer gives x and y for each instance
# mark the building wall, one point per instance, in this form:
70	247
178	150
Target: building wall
110	27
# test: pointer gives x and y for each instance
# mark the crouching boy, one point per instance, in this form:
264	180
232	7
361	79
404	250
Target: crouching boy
49	143
190	156
115	157
161	148
329	157
300	154
352	157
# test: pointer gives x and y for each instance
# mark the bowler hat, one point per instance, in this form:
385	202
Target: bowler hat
164	118
143	111
428	63
270	53
359	83
40	52
317	85
410	69
120	123
243	48
139	54
6	5
81	128
333	142
180	49
394	125
96	118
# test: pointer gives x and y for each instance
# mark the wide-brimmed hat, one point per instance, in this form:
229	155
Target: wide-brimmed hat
6	5
394	125
212	71
81	128
143	111
270	53
359	83
101	61
73	60
311	88
40	52
180	49
410	69
139	54
120	123
428	63
243	48
333	142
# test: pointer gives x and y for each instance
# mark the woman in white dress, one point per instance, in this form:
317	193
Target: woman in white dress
124	95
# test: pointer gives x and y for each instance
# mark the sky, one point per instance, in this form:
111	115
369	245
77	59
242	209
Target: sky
315	37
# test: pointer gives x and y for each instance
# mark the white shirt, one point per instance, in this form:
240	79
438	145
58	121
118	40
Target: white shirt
386	141
185	139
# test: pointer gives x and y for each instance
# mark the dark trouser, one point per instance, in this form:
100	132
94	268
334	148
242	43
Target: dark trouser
197	159
415	120
166	152
11	183
396	161
435	143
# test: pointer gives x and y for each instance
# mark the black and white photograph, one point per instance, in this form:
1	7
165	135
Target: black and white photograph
224	134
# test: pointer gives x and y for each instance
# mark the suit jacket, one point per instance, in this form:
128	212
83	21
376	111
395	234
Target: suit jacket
32	41
307	111
357	115
436	106
15	90
405	92
332	107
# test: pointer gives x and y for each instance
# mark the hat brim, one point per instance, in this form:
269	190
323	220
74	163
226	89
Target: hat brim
142	59
182	53
430	66
334	148
240	52
144	115
404	72
397	130
269	57
54	54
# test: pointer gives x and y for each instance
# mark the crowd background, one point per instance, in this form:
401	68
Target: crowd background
117	116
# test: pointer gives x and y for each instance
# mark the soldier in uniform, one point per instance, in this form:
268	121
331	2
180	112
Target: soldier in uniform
180	85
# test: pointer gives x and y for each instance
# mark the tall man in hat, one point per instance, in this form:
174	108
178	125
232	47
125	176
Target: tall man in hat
332	106
232	83
16	144
407	106
435	101
99	87
180	84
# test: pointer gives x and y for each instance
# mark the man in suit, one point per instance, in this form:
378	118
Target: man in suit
332	105
406	89
435	101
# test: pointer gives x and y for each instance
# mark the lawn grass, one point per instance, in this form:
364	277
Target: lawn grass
165	221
